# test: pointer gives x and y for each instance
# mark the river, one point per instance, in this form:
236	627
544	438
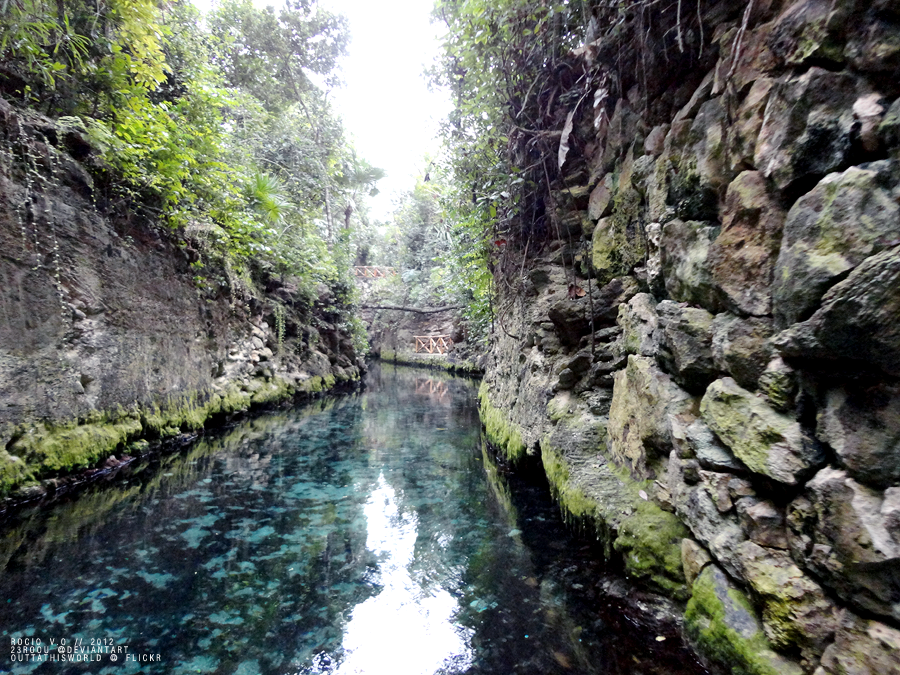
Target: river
369	533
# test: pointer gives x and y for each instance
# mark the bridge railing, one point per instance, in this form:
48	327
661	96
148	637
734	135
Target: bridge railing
440	344
370	272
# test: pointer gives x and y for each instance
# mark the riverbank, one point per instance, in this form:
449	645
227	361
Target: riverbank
702	350
110	337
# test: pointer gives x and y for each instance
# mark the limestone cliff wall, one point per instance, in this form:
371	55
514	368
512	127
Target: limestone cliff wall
105	336
721	396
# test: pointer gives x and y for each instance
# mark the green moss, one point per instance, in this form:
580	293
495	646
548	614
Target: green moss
13	472
500	431
650	543
48	450
317	384
44	450
618	242
729	635
571	499
648	538
278	390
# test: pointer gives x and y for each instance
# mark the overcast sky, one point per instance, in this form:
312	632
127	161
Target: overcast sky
386	106
388	112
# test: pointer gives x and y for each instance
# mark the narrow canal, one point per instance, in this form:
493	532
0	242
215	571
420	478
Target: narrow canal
370	533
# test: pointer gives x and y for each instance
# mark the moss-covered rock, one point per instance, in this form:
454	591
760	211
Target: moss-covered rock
845	219
51	450
500	430
684	256
595	493
46	450
650	543
639	429
618	242
767	441
796	611
721	621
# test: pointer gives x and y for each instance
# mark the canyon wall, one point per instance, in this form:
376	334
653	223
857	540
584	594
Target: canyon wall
704	352
108	336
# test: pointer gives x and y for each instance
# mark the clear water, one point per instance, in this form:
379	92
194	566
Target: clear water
364	534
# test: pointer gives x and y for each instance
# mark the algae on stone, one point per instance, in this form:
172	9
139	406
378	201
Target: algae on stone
767	441
720	620
499	429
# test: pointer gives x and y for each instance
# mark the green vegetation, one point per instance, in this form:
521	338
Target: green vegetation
496	63
218	128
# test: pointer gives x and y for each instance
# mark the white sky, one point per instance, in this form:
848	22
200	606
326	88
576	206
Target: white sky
389	114
386	106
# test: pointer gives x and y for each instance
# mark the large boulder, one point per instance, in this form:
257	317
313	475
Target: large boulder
808	127
639	431
686	344
740	347
768	442
846	218
862	647
862	425
859	319
720	619
796	611
684	256
849	536
742	258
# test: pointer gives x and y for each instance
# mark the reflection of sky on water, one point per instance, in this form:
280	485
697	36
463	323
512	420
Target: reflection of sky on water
407	629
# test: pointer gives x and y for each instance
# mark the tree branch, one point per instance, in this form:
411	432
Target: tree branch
418	310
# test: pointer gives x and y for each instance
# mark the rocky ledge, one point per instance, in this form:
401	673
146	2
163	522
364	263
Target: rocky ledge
107	339
719	395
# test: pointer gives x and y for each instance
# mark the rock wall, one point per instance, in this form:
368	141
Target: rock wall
105	336
705	355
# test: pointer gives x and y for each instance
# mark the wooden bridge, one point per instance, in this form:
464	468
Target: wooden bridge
369	272
433	343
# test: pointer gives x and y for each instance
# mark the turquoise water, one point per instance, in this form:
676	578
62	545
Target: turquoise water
370	533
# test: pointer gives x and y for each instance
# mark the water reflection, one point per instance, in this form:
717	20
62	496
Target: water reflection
408	628
365	534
